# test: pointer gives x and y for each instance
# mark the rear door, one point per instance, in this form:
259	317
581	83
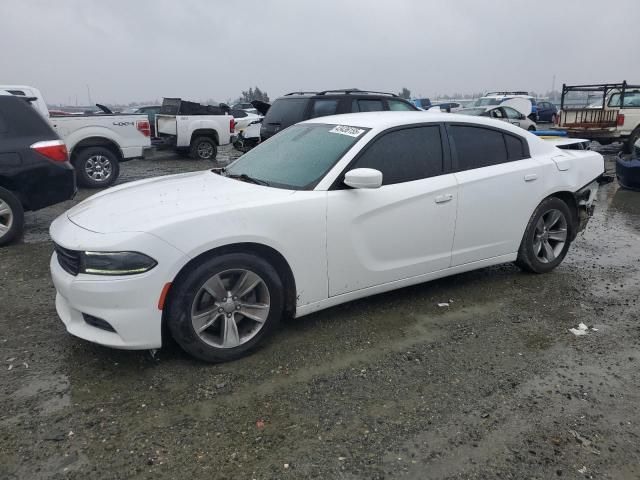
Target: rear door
499	186
402	229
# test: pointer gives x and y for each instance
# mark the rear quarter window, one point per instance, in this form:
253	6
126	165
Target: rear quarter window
25	120
287	111
367	105
324	107
477	147
399	105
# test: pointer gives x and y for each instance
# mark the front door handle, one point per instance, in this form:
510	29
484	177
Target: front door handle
530	177
447	197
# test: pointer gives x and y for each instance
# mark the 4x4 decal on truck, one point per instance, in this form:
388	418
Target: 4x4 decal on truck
123	124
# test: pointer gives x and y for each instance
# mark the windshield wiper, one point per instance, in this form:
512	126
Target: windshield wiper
247	178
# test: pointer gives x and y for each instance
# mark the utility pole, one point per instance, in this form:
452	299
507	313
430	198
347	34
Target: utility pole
553	85
89	95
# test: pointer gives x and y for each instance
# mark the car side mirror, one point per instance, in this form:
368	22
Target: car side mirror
363	178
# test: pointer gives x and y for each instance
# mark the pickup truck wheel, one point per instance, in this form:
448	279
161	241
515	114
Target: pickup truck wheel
631	141
224	307
547	237
11	217
203	148
96	167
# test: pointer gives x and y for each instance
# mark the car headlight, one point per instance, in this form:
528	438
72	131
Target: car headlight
115	263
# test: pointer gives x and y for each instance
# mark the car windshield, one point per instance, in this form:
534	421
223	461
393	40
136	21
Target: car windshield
483	102
298	157
472	111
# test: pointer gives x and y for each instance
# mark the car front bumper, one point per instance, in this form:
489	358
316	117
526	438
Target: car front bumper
119	311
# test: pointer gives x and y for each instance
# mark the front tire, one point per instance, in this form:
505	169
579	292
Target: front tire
203	148
96	167
223	308
11	217
547	237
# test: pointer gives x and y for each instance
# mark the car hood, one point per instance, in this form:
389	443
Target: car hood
147	204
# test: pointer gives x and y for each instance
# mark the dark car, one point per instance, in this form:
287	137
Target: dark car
547	111
298	106
628	169
34	165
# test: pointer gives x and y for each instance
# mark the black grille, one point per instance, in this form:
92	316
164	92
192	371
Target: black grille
69	260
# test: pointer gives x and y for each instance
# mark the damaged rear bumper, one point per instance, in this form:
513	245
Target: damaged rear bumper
585	199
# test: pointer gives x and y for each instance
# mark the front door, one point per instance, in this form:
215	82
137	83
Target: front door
402	229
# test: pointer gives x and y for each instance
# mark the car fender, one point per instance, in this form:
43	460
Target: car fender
93	131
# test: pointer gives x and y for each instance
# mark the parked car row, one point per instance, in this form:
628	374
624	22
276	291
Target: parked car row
35	171
97	143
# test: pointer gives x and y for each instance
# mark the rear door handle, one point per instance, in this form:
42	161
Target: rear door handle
530	177
447	197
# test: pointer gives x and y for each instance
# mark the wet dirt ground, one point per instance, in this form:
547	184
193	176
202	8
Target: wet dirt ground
493	386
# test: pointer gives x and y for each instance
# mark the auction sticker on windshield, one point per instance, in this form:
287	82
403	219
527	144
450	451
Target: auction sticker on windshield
345	130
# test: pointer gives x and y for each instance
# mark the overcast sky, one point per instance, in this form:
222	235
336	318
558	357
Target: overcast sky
129	50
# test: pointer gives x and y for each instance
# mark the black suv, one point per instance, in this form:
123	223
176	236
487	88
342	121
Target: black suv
34	165
298	106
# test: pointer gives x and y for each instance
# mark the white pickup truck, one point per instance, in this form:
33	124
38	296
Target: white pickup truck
606	113
194	128
97	143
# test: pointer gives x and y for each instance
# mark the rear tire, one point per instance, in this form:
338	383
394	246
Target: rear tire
11	217
541	249
531	128
203	148
198	302
96	167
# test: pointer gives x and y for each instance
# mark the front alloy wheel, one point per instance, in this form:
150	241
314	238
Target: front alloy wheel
222	308
230	308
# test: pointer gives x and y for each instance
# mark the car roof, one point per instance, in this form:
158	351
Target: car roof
341	94
379	121
388	119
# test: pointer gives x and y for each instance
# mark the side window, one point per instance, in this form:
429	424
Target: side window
367	105
398	105
19	93
405	155
324	107
477	147
515	147
513	114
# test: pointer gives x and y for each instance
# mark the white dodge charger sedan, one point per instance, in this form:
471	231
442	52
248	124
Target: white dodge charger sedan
327	211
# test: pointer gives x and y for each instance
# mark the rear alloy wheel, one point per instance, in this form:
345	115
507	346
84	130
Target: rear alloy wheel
96	167
225	306
11	217
547	237
203	148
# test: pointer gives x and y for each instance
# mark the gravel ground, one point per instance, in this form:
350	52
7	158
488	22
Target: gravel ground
493	386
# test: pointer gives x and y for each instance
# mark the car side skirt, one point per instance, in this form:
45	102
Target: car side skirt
366	292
